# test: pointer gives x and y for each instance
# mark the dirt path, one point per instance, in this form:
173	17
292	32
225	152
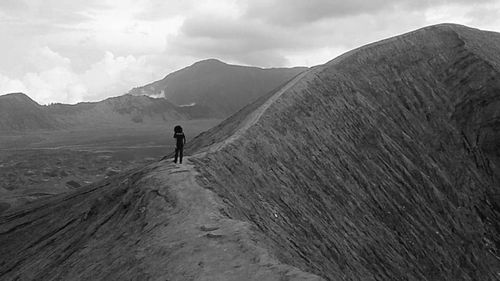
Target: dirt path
253	117
211	246
154	223
214	246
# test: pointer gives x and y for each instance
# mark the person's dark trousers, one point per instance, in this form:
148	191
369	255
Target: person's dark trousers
178	153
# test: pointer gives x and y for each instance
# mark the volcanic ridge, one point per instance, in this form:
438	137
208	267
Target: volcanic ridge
382	164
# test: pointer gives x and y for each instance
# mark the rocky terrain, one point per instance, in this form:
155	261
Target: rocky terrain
28	175
216	88
381	164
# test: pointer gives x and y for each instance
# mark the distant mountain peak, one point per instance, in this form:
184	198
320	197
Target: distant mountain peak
219	87
447	25
210	61
18	98
15	94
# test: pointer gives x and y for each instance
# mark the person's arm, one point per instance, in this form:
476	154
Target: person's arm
184	136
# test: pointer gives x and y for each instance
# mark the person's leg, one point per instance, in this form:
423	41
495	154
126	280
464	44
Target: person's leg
176	154
180	153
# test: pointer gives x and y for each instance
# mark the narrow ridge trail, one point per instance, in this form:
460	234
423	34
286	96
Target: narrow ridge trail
158	224
154	223
214	247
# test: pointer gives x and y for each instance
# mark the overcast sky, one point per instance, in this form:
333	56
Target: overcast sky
87	50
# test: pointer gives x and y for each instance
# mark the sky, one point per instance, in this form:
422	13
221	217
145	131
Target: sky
87	50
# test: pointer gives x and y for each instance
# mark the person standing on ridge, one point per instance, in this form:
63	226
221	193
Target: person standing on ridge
181	140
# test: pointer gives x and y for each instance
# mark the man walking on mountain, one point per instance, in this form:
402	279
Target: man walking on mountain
181	140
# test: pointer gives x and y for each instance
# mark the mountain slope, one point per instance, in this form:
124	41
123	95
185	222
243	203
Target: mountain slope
19	112
156	223
117	110
220	87
378	165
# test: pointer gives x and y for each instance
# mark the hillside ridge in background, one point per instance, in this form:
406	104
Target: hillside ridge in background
22	114
381	164
222	88
18	112
208	89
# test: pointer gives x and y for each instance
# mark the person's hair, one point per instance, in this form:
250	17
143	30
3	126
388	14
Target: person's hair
178	129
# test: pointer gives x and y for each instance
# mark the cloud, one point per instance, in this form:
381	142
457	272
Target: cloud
254	41
54	80
57	84
9	85
67	51
116	75
298	12
292	12
232	40
286	32
485	16
51	11
50	81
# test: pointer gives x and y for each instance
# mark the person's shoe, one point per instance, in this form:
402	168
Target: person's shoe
175	162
